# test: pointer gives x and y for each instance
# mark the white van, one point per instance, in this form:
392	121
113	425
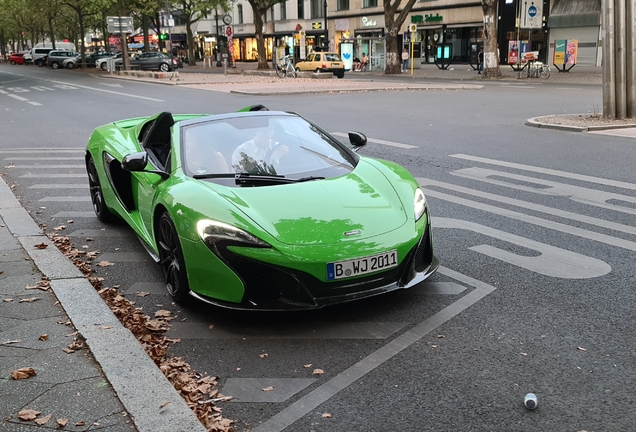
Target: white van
42	49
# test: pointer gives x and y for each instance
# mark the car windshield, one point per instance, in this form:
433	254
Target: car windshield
332	57
262	150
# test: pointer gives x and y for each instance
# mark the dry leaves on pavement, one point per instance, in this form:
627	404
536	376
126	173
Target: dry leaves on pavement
23	373
28	414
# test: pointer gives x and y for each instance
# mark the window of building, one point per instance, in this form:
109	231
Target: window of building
283	10
301	9
317	10
343	5
272	10
369	3
239	10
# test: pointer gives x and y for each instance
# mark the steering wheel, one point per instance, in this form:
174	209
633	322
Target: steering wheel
272	150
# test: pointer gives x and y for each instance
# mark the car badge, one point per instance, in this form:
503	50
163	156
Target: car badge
352	233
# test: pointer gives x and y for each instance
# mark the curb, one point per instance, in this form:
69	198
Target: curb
150	399
535	122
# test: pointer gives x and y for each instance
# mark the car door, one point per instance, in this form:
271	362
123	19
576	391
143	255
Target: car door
305	65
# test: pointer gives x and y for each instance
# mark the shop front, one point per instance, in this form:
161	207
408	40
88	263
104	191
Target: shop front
460	27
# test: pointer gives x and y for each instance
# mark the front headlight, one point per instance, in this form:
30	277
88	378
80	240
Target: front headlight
419	203
213	232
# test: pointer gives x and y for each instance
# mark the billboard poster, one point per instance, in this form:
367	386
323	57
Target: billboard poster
346	52
515	49
558	57
571	52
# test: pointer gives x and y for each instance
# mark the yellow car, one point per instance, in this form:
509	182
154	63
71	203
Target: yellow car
322	62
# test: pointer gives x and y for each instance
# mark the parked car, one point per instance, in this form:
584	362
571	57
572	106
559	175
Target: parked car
37	56
92	58
304	224
154	60
17	57
102	63
323	62
55	58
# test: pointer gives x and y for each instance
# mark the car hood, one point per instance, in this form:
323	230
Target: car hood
360	205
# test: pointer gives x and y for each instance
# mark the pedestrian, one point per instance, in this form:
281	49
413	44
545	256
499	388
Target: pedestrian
364	62
405	60
480	59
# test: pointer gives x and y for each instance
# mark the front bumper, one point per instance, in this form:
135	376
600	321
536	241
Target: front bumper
270	287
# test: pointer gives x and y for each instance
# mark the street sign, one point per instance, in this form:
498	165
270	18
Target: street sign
531	14
228	31
120	24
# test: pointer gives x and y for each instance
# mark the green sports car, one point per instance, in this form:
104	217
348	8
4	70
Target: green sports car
261	209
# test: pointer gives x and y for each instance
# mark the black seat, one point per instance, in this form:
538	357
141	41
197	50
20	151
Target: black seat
158	139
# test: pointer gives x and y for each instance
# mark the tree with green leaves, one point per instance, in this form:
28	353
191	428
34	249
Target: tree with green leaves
193	11
259	9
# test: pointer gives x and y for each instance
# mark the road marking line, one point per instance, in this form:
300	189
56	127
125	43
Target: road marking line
49	166
34	103
544	223
311	401
76	214
107	91
59	186
573	176
378	141
20	98
65	199
41	158
40	150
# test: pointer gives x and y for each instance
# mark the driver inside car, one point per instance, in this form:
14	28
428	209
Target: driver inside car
202	158
259	153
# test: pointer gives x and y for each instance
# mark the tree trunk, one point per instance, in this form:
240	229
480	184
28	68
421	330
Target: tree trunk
393	60
191	58
144	24
491	50
260	40
51	33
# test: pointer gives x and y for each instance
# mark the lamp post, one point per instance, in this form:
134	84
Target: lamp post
326	30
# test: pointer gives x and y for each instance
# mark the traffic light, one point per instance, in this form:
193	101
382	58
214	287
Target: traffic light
163	36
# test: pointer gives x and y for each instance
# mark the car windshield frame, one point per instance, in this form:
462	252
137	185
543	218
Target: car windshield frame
267	144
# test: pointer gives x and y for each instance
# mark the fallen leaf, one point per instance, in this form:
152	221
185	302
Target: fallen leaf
523	354
7	300
238	369
433	346
211	326
142	294
105	264
62	422
163	313
80	423
263	355
28	415
41	246
581	349
59	228
164	404
29	300
23	373
69	221
307	366
318	372
44	420
105	327
68	350
441	336
43	337
11	342
326	415
268	389
30	287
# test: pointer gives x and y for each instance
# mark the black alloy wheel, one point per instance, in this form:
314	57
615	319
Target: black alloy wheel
171	259
97	196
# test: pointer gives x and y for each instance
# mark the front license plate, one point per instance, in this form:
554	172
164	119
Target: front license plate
362	266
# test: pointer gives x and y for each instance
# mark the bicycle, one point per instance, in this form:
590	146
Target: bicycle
285	67
538	69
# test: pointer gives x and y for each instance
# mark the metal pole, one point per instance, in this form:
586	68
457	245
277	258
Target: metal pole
630	48
326	30
609	69
169	31
621	83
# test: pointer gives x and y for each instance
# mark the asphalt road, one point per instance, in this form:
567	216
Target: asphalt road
534	230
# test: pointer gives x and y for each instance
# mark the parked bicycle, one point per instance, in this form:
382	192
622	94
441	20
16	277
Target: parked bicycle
286	67
537	69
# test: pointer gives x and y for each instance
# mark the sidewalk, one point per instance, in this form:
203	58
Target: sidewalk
81	369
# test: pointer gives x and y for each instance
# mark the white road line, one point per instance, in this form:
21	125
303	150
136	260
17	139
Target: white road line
544	223
49	166
77	214
41	150
34	103
41	158
378	141
36	176
591	220
65	199
59	186
108	91
20	98
311	401
573	176
42	88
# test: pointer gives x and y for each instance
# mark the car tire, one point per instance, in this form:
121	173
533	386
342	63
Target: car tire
55	65
40	63
104	66
171	258
12	62
97	195
317	70
340	75
164	67
70	65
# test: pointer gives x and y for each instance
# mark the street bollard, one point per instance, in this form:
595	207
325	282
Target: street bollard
225	66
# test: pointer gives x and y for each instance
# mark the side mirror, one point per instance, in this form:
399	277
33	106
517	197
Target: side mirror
357	140
135	161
